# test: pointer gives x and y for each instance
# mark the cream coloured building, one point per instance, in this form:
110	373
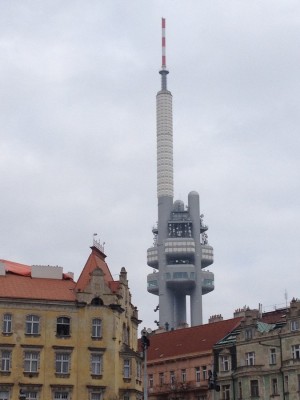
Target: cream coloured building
66	340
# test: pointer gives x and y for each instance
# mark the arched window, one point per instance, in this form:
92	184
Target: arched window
97	301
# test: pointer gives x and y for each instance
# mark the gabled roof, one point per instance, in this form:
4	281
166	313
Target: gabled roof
96	260
189	341
17	282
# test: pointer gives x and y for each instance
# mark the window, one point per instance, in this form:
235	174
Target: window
161	378
225	363
5	360
63	326
7	323
226	392
172	377
96	364
96	396
31	360
298	383
61	396
31	395
286	383
183	375
250	358
296	351
274	386
150	381
295	325
197	374
138	370
254	388
248	334
4	395
96	328
204	372
272	356
126	369
62	364
240	390
32	325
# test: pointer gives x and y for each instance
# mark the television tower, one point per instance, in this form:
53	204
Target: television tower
180	252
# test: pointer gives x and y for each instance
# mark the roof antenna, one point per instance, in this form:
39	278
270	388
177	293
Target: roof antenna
164	72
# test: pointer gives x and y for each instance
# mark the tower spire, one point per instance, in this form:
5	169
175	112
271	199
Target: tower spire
164	72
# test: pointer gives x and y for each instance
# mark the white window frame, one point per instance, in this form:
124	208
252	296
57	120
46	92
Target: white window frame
96	328
172	377
225	392
225	362
62	363
32	325
32	395
197	374
161	377
127	368
273	356
96	396
274	383
294	325
4	395
31	361
58	395
296	351
250	358
96	363
7	323
204	372
5	360
150	381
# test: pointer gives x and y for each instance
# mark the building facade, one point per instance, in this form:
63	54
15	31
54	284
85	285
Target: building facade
179	361
66	340
180	252
262	358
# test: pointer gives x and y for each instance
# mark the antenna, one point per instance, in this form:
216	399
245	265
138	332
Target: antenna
163	43
164	72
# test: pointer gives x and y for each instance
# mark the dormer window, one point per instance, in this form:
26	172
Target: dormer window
63	326
248	334
295	325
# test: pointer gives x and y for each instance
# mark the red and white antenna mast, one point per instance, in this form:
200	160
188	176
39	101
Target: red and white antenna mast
163	43
164	72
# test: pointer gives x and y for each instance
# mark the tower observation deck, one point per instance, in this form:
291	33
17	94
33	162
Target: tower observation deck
180	252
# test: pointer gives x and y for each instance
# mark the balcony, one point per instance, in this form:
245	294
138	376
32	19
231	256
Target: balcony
152	283
207	282
152	257
180	276
207	255
180	246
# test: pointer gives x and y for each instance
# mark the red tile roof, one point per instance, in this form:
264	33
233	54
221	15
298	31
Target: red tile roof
18	283
95	260
188	341
24	287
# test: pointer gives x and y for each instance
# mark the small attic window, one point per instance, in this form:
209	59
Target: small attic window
97	301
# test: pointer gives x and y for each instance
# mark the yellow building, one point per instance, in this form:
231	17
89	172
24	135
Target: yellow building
66	340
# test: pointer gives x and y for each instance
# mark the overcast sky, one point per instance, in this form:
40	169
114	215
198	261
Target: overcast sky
78	81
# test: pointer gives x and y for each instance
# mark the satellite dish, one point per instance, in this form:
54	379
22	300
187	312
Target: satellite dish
149	330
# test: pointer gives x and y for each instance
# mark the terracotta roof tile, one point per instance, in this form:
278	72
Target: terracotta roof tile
95	260
23	287
197	339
